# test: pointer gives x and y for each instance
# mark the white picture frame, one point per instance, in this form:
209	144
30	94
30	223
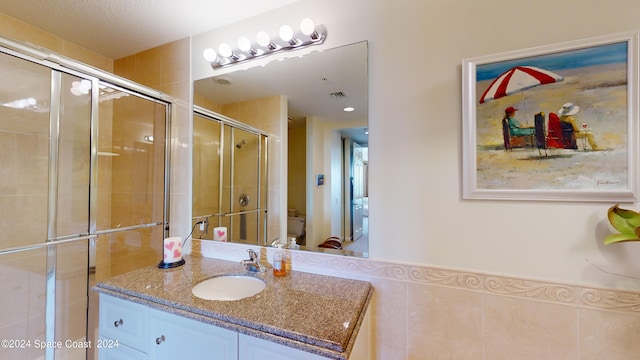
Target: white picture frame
599	76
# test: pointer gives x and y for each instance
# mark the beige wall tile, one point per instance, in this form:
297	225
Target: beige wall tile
424	312
444	323
125	67
389	318
81	54
524	329
178	89
206	103
176	63
609	335
20	31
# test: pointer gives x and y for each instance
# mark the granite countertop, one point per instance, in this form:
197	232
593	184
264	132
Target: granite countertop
315	313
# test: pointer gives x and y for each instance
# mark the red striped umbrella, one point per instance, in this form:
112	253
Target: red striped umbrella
517	79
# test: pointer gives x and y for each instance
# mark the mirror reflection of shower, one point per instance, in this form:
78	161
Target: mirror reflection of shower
229	178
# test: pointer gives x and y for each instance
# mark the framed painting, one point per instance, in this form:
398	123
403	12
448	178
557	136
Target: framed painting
556	122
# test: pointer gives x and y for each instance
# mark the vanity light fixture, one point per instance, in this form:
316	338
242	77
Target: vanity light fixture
308	35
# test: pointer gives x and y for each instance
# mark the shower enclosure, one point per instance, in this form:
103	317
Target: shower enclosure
82	196
229	178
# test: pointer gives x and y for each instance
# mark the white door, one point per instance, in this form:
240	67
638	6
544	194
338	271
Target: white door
357	180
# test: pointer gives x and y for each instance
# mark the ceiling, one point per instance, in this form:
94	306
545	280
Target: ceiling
106	26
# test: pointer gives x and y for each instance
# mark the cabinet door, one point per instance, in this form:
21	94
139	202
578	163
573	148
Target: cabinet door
124	321
175	337
251	348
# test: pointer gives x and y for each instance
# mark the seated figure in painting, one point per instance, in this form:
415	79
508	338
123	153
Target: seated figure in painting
515	129
566	117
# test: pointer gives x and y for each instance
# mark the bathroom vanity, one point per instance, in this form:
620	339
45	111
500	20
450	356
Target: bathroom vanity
151	313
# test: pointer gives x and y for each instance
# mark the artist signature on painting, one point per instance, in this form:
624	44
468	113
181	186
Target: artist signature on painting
607	182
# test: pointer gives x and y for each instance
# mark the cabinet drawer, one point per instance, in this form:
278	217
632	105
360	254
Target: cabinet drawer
120	352
176	337
124	321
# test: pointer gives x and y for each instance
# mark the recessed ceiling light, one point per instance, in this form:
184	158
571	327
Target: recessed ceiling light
349	109
222	81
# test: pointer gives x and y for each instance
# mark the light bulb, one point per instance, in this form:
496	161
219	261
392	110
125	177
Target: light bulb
263	39
348	109
286	33
307	26
225	50
209	55
85	85
244	44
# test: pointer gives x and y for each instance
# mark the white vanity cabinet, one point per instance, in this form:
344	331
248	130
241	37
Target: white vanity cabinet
145	333
139	332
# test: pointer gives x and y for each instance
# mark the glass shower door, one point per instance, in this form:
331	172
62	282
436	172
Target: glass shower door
45	137
229	180
82	197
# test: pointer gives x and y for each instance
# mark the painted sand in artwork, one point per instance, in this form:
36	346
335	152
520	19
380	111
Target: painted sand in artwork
601	93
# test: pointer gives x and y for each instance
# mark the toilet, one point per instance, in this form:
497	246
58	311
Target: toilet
295	228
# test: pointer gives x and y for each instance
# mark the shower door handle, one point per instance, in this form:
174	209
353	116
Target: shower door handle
243	200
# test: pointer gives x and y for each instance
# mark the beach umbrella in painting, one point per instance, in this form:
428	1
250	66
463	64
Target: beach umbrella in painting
517	79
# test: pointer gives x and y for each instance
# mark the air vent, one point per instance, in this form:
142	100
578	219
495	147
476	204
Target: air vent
337	94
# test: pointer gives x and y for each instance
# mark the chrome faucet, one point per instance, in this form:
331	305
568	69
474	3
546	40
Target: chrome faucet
253	263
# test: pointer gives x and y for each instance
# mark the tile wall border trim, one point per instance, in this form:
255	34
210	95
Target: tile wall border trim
360	268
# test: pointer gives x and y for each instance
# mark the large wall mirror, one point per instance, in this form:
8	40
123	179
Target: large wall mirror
324	96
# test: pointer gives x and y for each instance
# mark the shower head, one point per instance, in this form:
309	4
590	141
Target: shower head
239	145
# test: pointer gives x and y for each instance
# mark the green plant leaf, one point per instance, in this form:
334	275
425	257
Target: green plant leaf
632	217
614	238
623	220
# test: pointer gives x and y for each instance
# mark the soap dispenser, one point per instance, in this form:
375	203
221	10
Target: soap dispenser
279	258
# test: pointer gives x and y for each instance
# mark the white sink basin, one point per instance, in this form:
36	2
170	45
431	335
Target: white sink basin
228	287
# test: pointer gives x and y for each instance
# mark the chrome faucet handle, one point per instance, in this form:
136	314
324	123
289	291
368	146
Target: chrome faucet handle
252	254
